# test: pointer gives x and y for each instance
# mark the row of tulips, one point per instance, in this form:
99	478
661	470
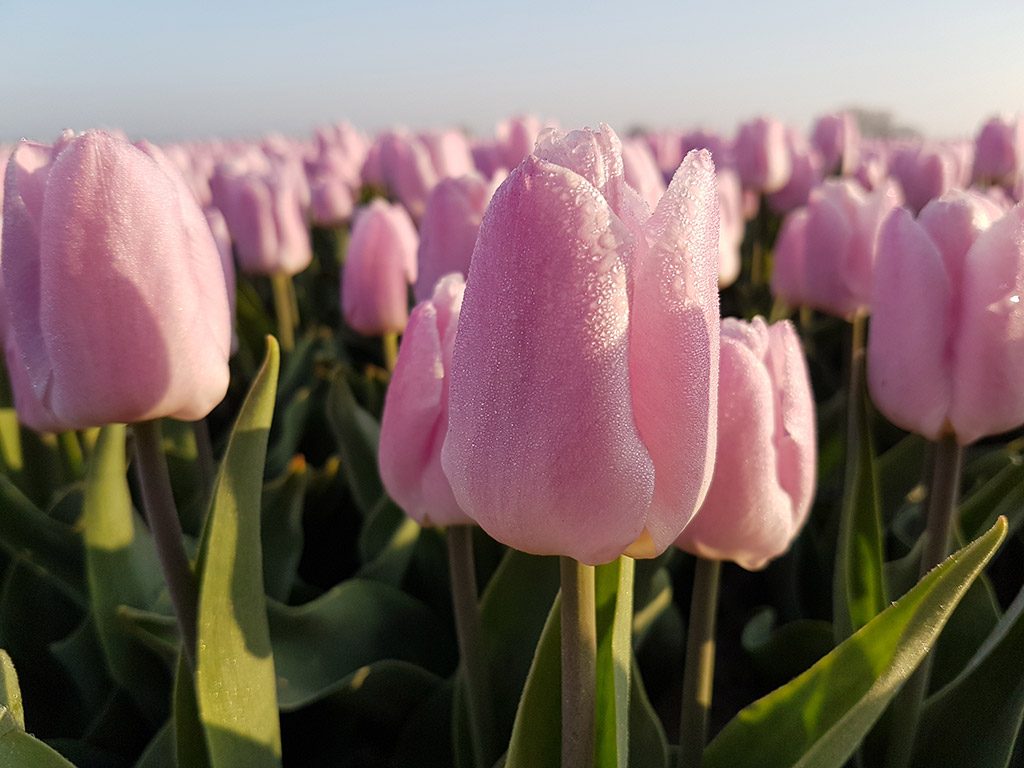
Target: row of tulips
564	382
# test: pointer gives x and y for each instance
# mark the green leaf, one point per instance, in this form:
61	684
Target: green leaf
10	693
388	542
120	563
1002	495
160	751
156	631
975	719
19	750
614	606
781	653
235	682
511	621
281	529
859	593
189	738
537	734
41	541
11	459
288	432
648	747
318	645
818	719
357	434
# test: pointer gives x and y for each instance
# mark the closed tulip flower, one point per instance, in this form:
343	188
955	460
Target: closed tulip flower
763	483
448	231
379	267
826	252
806	174
262	204
731	231
415	419
837	139
583	382
115	289
946	343
642	172
999	152
762	156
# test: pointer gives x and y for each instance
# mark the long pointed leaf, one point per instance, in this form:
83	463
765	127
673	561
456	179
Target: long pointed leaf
614	596
235	682
818	719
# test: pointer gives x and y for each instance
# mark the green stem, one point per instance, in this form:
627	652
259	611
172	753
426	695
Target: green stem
204	456
699	672
390	343
579	663
283	306
467	625
942	504
71	451
166	529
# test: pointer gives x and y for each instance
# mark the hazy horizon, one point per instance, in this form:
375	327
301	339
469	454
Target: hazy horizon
229	69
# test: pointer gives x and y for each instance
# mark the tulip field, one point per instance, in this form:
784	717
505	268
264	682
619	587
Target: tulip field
545	447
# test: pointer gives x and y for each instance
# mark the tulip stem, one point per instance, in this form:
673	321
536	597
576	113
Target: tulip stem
283	308
579	663
204	456
699	672
165	526
475	675
71	450
942	505
390	342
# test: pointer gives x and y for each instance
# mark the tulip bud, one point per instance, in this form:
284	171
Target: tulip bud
761	155
380	265
998	152
926	173
642	172
448	231
731	231
116	293
945	347
262	204
583	381
415	419
806	174
837	139
763	483
825	258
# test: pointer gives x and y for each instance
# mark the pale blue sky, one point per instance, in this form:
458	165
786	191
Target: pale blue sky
227	67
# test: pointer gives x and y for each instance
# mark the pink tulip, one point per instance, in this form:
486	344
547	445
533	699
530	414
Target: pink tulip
641	172
332	202
406	170
733	225
925	173
379	266
516	137
449	153
837	139
116	294
946	343
761	155
763	484
825	259
448	232
415	419
262	204
806	174
999	152
583	382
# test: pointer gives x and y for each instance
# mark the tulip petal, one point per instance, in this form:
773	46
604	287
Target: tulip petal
673	339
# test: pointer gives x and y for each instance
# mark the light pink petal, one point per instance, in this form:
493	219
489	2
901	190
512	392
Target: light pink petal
673	339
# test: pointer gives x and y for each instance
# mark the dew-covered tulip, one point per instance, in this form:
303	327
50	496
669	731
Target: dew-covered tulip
583	383
762	156
946	342
448	230
415	419
763	483
379	267
116	295
825	254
